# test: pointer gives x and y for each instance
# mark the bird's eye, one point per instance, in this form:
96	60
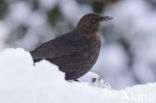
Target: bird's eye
95	20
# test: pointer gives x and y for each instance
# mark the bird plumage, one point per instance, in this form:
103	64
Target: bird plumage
74	52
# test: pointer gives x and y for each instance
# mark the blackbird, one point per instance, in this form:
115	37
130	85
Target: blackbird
74	52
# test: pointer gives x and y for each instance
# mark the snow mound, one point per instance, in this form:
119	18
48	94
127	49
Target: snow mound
22	81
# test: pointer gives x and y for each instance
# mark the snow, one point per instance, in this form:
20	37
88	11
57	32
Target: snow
22	81
94	80
76	12
4	32
19	12
112	64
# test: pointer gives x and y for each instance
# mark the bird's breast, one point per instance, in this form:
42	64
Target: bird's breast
95	45
94	48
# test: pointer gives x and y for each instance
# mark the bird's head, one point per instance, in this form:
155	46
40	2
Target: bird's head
91	22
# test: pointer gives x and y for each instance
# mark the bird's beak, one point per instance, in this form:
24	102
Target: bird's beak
106	18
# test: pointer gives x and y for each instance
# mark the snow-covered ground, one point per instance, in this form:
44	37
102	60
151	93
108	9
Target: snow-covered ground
22	81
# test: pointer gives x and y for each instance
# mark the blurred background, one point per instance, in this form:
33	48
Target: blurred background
128	53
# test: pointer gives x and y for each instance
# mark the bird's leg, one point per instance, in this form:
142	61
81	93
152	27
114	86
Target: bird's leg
76	80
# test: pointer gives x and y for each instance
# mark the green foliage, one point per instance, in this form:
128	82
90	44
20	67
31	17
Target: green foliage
20	33
54	15
35	4
126	45
88	2
3	8
152	3
98	6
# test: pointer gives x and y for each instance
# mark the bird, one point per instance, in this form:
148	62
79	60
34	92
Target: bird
74	52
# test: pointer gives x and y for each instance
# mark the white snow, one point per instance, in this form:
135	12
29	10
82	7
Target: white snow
22	81
94	80
4	33
112	64
19	12
73	11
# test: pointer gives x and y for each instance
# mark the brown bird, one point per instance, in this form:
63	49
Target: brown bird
74	52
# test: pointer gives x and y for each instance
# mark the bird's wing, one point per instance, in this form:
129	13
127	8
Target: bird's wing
65	45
